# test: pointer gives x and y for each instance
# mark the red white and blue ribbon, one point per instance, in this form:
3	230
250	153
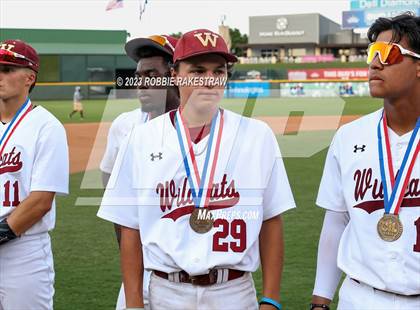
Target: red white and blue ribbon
395	188
200	182
17	119
146	118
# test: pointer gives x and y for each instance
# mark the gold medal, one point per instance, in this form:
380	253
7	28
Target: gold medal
390	227
201	220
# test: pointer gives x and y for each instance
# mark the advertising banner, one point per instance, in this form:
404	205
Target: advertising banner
373	4
354	19
326	74
245	89
318	58
364	12
313	90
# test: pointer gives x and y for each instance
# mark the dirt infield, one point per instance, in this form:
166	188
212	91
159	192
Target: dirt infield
87	142
81	139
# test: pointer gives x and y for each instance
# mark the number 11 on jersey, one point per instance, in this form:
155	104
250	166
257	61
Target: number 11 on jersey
11	191
416	246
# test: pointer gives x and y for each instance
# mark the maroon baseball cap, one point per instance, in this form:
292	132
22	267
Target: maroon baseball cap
19	53
200	42
162	43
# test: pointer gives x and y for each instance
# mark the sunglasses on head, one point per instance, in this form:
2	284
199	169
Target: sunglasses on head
10	56
162	41
388	53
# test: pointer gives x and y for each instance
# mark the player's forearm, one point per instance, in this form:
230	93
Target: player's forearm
327	273
271	252
30	211
132	267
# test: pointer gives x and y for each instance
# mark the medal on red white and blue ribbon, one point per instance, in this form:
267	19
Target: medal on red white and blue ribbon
14	123
389	226
201	220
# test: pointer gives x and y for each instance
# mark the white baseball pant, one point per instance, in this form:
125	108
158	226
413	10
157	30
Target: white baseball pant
27	273
235	294
357	296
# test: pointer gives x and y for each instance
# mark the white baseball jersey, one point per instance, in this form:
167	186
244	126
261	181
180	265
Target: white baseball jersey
152	194
77	96
352	183
120	128
35	159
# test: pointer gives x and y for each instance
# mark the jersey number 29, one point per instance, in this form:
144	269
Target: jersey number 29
237	229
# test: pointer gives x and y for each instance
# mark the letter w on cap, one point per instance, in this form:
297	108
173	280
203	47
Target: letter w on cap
209	37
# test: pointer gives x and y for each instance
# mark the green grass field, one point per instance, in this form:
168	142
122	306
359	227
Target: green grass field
86	256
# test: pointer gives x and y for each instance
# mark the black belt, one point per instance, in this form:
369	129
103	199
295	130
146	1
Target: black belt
202	279
377	289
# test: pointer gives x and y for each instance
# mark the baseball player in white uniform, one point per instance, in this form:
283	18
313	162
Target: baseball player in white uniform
371	185
34	166
199	193
77	103
153	56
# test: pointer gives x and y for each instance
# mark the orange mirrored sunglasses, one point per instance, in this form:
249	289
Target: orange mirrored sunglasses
162	41
388	53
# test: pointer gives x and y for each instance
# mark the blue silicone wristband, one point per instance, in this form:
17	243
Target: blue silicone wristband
270	301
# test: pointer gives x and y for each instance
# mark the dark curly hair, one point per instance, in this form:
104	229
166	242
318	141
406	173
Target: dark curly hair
404	25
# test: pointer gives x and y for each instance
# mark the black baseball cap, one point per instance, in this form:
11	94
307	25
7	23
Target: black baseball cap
163	43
